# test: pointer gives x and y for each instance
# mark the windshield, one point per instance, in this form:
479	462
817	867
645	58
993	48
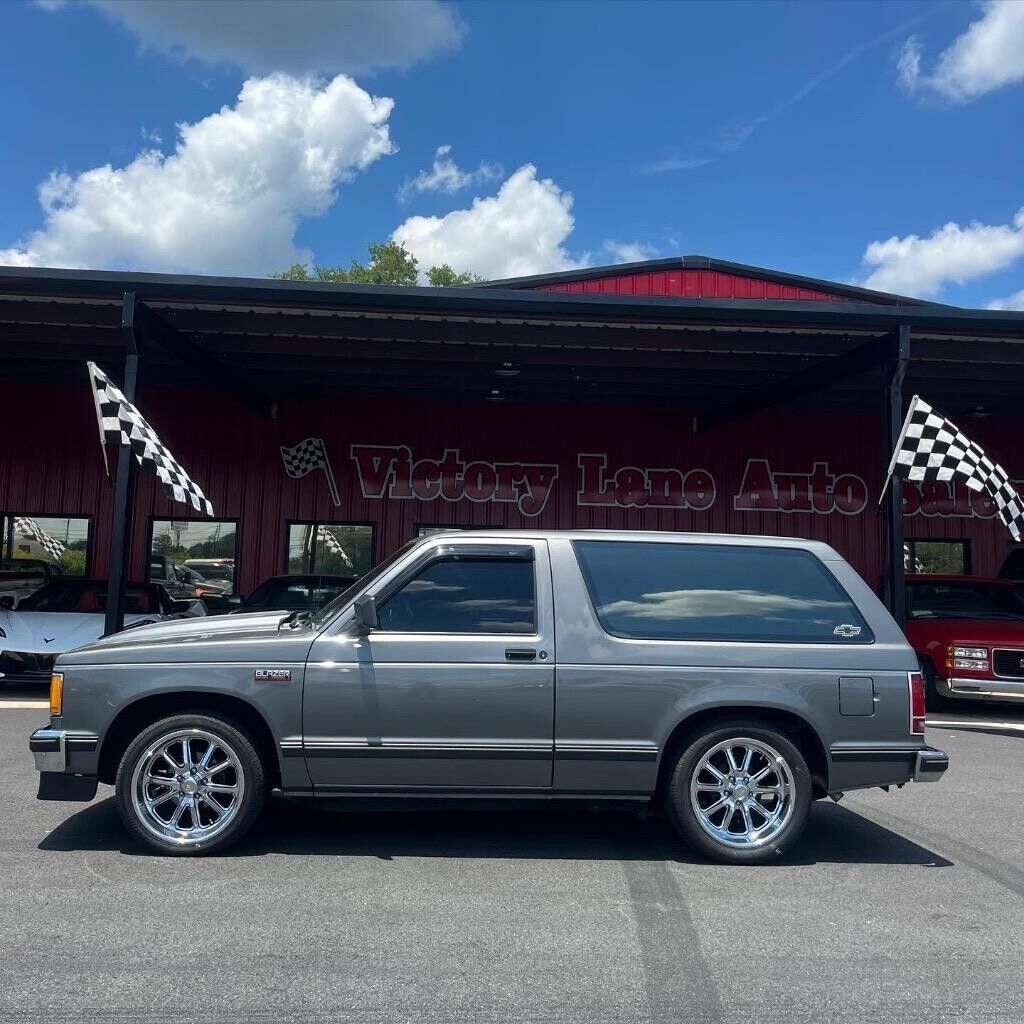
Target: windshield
85	596
302	594
966	600
329	610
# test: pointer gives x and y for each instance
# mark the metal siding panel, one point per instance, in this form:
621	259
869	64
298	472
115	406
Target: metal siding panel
55	469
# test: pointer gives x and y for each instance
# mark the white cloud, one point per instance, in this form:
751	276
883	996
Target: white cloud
521	230
446	176
1014	301
988	56
231	195
671	164
921	266
298	36
629	252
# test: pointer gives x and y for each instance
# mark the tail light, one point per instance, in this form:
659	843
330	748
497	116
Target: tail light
916	702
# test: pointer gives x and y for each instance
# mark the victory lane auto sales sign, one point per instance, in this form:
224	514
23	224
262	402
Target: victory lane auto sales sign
394	472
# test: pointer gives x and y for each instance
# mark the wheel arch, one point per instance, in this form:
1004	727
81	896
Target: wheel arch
794	726
149	708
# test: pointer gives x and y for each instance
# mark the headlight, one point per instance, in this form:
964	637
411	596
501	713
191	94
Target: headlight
974	659
56	694
971	652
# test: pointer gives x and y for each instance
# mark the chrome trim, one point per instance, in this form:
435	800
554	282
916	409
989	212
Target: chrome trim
930	765
50	760
983	688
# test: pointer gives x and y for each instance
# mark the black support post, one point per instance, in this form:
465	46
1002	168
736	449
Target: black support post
124	493
893	373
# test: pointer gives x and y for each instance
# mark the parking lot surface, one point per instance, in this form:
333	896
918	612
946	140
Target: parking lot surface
901	907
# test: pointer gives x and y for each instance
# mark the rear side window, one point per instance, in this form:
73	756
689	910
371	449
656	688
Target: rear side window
659	591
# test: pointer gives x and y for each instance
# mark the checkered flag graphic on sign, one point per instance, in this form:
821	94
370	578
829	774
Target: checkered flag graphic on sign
33	531
306	456
933	448
122	424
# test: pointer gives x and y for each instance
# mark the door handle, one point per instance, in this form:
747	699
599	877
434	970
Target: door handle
519	654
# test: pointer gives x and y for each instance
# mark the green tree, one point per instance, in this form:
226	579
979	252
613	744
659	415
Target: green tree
390	263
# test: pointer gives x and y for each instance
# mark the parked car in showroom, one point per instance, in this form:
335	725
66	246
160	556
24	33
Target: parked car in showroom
183	582
727	680
968	633
20	577
306	593
68	613
214	570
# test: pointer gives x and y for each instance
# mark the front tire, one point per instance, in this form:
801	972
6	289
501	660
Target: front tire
739	792
190	784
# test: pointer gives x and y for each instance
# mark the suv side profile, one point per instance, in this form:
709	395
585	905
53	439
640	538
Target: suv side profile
729	680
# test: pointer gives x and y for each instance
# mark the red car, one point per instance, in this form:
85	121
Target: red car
968	632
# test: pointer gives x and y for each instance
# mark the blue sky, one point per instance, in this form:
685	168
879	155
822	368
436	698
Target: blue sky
797	136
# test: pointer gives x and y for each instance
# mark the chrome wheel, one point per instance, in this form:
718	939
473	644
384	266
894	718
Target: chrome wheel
187	786
742	793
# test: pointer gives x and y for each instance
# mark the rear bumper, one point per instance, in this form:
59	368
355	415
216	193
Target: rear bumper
931	765
51	749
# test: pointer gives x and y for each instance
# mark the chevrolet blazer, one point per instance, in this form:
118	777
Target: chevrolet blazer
729	680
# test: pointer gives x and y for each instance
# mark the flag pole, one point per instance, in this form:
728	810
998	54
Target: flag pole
329	473
896	450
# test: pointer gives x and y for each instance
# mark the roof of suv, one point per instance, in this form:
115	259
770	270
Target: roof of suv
476	536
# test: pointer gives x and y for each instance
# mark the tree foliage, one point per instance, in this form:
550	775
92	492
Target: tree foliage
390	263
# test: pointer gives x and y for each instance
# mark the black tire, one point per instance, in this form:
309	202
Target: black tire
685	819
250	778
933	700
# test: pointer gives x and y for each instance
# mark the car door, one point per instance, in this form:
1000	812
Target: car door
455	689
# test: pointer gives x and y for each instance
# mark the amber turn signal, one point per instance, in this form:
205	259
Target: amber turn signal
56	693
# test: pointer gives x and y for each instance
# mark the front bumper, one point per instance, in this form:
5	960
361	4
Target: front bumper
930	765
981	689
50	748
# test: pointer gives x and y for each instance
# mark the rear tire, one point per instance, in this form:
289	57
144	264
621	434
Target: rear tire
739	792
191	783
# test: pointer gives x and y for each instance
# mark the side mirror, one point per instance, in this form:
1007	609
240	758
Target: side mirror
235	599
180	607
366	613
8	602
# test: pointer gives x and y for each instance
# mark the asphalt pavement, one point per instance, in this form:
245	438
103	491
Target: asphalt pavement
901	907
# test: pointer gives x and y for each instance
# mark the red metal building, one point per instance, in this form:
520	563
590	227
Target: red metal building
686	394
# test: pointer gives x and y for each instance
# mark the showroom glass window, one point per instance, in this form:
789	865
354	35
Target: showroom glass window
662	591
943	557
62	542
339	549
465	595
206	546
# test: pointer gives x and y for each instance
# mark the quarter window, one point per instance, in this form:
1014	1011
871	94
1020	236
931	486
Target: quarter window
464	595
662	591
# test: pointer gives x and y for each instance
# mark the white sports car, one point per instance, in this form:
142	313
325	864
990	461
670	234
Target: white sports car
68	613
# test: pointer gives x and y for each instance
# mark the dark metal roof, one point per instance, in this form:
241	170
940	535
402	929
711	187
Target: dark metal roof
706	263
298	339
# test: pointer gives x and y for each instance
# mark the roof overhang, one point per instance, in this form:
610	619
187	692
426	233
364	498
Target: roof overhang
309	339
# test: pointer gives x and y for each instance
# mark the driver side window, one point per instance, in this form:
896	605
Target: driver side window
465	595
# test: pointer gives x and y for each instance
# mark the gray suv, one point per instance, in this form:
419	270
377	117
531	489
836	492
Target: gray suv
728	680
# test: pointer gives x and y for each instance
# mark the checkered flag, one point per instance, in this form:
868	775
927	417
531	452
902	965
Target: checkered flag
305	457
122	424
30	529
332	545
930	447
